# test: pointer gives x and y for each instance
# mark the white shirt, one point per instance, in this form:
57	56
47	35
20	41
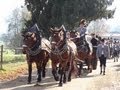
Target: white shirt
102	49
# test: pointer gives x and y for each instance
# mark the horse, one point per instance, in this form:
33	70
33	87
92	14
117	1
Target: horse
63	55
82	50
37	50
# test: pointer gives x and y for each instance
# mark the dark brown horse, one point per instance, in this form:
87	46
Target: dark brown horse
37	50
63	54
82	49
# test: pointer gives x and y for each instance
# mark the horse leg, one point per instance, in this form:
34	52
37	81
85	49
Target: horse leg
39	71
43	71
80	69
89	65
29	72
61	77
69	76
44	68
54	71
70	70
44	65
64	78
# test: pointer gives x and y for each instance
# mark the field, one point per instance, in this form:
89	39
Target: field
13	65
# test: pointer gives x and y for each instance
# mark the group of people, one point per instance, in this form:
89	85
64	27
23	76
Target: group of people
100	46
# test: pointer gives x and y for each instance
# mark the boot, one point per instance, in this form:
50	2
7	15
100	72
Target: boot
104	71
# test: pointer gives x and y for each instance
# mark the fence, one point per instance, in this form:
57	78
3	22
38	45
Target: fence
1	57
5	51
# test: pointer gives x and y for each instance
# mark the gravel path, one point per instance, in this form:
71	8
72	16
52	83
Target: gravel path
91	81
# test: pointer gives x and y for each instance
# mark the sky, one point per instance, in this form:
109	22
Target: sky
7	6
114	23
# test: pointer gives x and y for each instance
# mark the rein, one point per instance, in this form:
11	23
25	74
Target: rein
80	47
35	52
61	51
35	49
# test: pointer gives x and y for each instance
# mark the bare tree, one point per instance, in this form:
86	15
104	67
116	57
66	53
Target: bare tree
15	25
98	27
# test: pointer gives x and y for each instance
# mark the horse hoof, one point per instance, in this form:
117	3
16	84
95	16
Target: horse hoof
64	81
43	75
60	84
29	83
69	80
37	84
79	76
57	79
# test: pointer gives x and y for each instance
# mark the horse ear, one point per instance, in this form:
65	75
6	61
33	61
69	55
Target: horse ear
51	30
23	35
62	28
33	35
76	33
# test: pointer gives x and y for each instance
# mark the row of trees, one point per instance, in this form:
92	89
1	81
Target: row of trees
51	13
13	38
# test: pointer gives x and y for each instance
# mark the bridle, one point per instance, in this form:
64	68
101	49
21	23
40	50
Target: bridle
35	49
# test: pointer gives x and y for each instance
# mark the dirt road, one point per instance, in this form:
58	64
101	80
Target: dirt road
91	81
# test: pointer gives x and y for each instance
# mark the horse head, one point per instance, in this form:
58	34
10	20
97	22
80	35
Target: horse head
58	36
32	39
29	38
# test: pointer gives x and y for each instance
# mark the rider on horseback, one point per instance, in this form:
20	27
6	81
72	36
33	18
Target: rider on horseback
84	37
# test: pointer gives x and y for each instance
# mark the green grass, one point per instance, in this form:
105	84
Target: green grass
7	58
12	65
12	61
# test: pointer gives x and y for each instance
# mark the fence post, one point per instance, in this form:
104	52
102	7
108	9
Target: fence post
1	61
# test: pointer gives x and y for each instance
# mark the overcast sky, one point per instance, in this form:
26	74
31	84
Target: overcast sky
6	7
115	22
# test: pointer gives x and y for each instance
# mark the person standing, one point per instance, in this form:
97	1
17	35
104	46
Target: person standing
102	53
115	50
94	42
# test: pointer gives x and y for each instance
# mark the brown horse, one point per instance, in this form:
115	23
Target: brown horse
83	50
36	51
63	53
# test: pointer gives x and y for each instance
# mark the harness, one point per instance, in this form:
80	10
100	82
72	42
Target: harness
33	53
59	52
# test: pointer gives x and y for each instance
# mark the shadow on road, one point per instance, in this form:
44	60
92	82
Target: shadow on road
20	83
